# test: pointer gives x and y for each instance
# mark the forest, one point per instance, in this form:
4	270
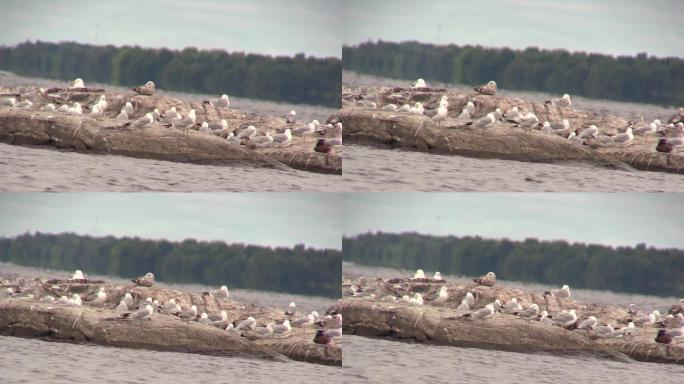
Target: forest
298	79
299	270
640	78
639	269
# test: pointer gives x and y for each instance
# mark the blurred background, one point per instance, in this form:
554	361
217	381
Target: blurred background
607	49
262	49
265	242
629	243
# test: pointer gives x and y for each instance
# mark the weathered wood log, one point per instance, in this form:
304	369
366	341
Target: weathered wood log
445	325
52	321
502	139
106	135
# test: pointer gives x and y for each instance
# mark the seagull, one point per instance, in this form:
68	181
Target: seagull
77	275
646	320
75	300
389	107
78	83
589	323
305	130
233	331
292	117
483	122
513	114
262	332
246	324
128	300
304	322
101	102
563	293
145	281
48	299
170	307
573	138
560	127
469	299
512	306
565	319
417	299
98	298
262	141
247	133
463	306
291	309
624	138
482	314
282	330
437	276
221	102
146	89
186	122
586	133
123	116
23	104
128	108
141	314
9	101
417	109
221	293
605	139
486	89
63	300
419	274
141	122
283	138
440	116
233	139
489	279
545	319
204	319
530	313
563	102
96	112
204	128
604	330
442	296
420	83
169	116
646	129
405	108
469	107
188	315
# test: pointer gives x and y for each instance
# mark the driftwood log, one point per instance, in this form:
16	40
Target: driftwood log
106	135
502	140
445	325
88	324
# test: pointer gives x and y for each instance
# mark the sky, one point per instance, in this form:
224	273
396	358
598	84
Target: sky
617	27
270	219
273	27
655	219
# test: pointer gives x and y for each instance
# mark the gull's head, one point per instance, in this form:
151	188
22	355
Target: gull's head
491	275
417	296
470	104
514	300
77	105
204	315
405	297
174	109
224	288
565	287
75	296
149	300
192	113
535	306
205	125
172	301
102	289
193	307
251	319
292	305
572	311
128	295
544	314
492	83
438	276
497	302
547	125
293	113
224	96
592	318
443	290
251	127
566	96
149	275
286	323
149	84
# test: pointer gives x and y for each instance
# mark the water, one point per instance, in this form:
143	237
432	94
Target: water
369	360
48	169
31	360
382	361
381	169
384	169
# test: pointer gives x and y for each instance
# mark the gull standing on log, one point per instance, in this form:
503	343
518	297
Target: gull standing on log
483	122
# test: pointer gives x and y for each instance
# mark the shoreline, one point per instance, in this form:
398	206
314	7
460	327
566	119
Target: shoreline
106	135
367	126
444	325
98	325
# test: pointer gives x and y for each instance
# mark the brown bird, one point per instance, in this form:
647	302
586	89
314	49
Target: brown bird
664	146
145	281
322	146
486	89
489	279
321	337
147	89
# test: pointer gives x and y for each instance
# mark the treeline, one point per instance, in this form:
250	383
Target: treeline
626	78
297	79
639	269
298	270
